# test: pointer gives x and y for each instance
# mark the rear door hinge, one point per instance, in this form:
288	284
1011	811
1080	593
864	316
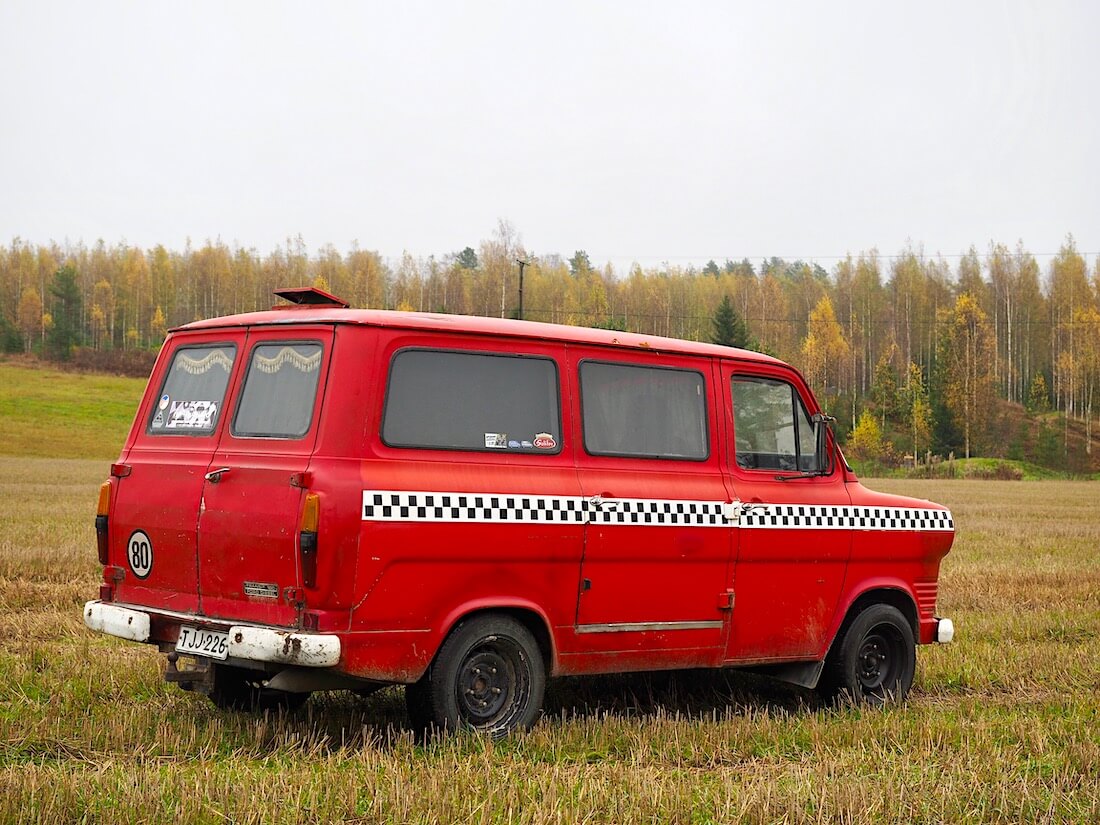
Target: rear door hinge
295	596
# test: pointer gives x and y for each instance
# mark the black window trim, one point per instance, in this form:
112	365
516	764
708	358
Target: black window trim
483	450
796	402
167	374
639	456
244	384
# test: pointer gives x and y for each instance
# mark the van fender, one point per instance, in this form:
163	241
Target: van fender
526	611
893	591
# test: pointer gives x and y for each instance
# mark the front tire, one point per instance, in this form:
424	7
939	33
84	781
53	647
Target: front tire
489	676
874	660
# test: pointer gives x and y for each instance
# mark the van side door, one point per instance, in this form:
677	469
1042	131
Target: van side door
249	565
794	535
655	572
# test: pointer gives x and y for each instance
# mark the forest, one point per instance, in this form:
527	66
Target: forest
987	353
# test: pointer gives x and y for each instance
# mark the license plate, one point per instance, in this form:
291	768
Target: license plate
199	642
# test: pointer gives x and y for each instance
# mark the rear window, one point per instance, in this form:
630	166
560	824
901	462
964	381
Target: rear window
279	392
648	412
473	401
194	391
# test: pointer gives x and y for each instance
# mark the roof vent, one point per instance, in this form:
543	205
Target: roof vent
309	296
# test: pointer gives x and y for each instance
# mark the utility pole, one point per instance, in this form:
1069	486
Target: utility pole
522	263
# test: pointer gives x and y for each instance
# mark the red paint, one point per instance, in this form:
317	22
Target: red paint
394	589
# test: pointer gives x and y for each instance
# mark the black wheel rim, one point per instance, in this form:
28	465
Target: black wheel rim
878	661
492	684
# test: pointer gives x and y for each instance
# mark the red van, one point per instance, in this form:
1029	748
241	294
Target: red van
317	497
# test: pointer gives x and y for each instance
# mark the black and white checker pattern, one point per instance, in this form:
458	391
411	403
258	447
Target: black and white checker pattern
825	517
512	508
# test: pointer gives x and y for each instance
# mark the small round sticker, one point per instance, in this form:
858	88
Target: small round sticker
163	402
545	441
139	554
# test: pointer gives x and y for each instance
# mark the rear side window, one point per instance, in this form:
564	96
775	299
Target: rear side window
772	429
194	391
649	412
279	392
472	401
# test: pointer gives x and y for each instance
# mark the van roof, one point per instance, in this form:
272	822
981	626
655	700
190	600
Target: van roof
476	325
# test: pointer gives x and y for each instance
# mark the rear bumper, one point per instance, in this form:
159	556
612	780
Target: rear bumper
254	642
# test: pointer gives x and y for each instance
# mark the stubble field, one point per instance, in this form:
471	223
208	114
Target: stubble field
1002	726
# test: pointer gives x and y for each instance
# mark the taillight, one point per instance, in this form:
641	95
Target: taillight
102	512
307	539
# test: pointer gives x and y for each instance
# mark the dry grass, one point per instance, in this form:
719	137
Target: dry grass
1001	727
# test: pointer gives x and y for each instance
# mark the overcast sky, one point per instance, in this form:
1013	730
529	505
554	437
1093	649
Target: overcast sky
651	132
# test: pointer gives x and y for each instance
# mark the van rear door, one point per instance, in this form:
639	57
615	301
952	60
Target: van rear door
160	482
248	557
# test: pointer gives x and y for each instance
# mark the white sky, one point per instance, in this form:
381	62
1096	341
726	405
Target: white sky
636	131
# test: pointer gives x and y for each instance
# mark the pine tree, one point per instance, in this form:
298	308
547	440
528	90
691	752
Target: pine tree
729	328
65	332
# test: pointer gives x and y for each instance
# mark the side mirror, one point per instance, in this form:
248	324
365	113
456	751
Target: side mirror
822	424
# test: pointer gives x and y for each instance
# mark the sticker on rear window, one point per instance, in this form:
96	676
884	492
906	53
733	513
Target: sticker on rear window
496	441
191	415
545	441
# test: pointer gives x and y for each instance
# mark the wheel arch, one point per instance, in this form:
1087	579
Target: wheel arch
891	594
526	613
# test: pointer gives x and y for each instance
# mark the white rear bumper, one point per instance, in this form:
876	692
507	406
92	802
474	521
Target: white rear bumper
260	644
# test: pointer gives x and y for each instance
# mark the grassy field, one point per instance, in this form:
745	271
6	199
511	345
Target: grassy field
47	412
1001	727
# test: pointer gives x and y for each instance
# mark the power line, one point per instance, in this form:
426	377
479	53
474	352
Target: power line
810	258
916	323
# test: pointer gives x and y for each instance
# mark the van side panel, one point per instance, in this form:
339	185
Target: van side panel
497	542
906	560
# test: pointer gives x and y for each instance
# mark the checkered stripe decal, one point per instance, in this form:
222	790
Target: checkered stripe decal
819	517
512	508
520	509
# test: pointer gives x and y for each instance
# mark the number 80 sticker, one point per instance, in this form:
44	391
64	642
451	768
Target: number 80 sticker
139	554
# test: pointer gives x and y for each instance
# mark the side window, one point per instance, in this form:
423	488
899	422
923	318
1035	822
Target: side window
772	429
473	401
279	392
193	391
648	412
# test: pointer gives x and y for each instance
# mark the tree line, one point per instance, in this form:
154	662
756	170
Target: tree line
908	351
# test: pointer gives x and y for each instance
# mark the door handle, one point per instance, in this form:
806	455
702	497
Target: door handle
600	502
733	510
214	476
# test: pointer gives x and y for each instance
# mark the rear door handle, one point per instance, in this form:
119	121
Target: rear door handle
214	476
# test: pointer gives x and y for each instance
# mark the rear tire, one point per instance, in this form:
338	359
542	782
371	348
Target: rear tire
488	676
238	689
873	661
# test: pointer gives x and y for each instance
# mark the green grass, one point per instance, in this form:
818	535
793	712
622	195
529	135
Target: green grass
49	413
